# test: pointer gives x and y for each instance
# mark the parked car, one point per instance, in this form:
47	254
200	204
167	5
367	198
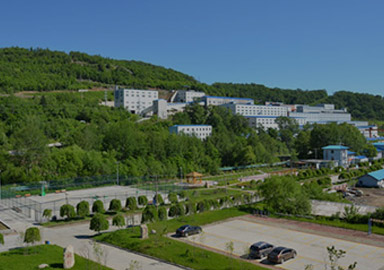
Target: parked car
281	254
187	230
260	249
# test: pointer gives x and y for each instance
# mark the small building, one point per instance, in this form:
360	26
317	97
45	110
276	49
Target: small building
135	100
200	131
372	179
337	153
216	101
186	96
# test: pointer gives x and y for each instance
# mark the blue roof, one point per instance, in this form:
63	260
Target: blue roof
375	139
360	157
228	97
191	126
378	175
335	147
351	153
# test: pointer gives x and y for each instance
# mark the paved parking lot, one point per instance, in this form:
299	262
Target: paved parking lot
311	248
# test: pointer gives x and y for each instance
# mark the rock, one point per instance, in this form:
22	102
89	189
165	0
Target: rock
153	232
44	265
69	257
144	231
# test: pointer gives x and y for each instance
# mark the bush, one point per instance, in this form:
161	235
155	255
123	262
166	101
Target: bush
118	221
115	205
149	214
98	207
47	213
172	211
68	211
201	206
182	194
82	209
223	201
131	203
32	235
180	209
1	239
162	213
158	199
98	223
172	197
143	200
190	208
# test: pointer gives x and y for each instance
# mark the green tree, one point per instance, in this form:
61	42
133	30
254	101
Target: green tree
162	213
98	207
82	209
118	221
172	197
149	214
68	211
158	199
115	205
143	200
131	203
32	235
285	195
99	223
47	213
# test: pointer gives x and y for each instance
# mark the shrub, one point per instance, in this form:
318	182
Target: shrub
47	213
201	206
98	207
247	198
158	199
68	211
180	209
82	209
149	214
32	235
223	201
115	205
172	211
98	223
172	197
1	239
143	200
162	213
118	221
190	208
131	203
182	194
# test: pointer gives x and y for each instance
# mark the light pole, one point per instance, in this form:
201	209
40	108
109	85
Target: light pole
117	172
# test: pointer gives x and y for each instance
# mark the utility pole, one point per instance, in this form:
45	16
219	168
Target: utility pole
117	172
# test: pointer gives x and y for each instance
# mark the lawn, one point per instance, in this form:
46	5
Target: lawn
32	257
210	193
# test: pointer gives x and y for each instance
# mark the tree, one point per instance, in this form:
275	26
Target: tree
285	195
82	209
115	205
158	199
131	203
162	213
143	200
172	197
98	207
68	211
99	223
149	214
118	221
47	213
32	235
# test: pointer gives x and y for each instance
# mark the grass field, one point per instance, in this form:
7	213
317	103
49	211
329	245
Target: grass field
32	257
175	251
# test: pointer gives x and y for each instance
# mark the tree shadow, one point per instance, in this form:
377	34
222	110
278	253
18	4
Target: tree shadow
57	265
83	236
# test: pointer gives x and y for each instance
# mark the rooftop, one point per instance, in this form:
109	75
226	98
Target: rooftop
335	147
228	97
378	175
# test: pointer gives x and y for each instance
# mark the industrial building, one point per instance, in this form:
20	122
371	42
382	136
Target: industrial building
186	96
372	179
200	131
336	153
134	100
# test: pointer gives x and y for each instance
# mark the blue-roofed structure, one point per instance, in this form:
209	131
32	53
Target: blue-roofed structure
372	179
336	153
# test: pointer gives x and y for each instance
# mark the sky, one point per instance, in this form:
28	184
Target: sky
328	44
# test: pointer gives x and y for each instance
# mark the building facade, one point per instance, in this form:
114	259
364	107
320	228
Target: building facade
217	101
200	131
135	100
185	96
337	153
372	179
321	114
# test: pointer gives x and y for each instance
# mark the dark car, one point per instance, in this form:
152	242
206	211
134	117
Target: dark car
187	230
281	254
260	249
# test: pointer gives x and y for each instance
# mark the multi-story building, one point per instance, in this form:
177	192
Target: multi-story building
200	131
135	100
256	110
216	101
185	96
336	153
322	113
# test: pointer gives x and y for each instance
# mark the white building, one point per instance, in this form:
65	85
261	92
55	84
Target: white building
256	110
135	100
200	131
185	96
321	114
216	101
337	153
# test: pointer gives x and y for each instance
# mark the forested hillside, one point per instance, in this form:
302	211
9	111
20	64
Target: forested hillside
44	70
